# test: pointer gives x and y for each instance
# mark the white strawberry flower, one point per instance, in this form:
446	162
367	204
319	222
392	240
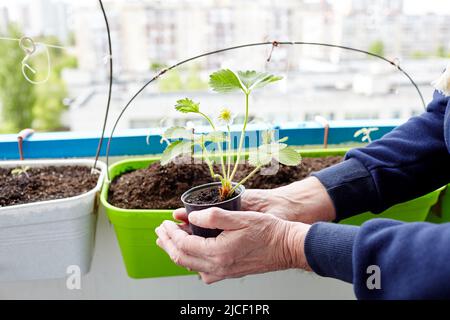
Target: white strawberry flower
225	117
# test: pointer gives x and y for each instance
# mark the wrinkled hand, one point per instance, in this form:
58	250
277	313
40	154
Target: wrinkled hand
304	201
250	243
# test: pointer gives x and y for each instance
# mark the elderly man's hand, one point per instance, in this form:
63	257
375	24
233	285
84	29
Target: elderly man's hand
250	243
304	201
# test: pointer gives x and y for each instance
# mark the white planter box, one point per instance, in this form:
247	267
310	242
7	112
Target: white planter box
40	240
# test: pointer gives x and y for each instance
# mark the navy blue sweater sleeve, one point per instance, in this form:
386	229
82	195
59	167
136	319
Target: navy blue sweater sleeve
410	161
389	259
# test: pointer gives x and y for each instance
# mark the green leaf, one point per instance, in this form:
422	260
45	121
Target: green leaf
288	156
178	133
259	158
358	132
272	148
365	132
19	171
252	79
224	81
186	105
279	151
175	149
265	153
16	171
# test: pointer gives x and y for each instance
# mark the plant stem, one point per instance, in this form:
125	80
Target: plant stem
245	179
208	119
228	152
241	141
219	146
208	162
193	144
222	162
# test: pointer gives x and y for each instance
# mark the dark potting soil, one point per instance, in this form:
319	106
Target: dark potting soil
156	186
161	187
48	183
207	196
210	196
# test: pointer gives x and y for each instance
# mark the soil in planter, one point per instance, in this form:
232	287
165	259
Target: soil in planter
209	196
47	183
160	187
157	186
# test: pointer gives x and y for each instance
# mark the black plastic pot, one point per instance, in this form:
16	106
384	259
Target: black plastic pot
233	204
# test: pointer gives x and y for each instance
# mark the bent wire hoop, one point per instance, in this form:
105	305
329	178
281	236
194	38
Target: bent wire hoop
110	61
274	44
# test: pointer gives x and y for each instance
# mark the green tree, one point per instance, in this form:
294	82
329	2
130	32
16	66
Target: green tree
23	104
182	79
49	104
193	81
377	47
419	54
156	66
441	52
17	95
170	81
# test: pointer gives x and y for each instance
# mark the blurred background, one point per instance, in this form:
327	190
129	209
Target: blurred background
148	35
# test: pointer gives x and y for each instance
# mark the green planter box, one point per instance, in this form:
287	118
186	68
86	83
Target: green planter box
135	229
441	212
410	211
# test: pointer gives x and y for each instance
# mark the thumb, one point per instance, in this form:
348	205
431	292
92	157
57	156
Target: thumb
180	215
216	218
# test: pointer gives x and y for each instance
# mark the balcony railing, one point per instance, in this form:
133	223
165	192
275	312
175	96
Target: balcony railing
147	141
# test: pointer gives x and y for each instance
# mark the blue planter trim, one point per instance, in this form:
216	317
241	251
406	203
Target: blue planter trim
134	141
